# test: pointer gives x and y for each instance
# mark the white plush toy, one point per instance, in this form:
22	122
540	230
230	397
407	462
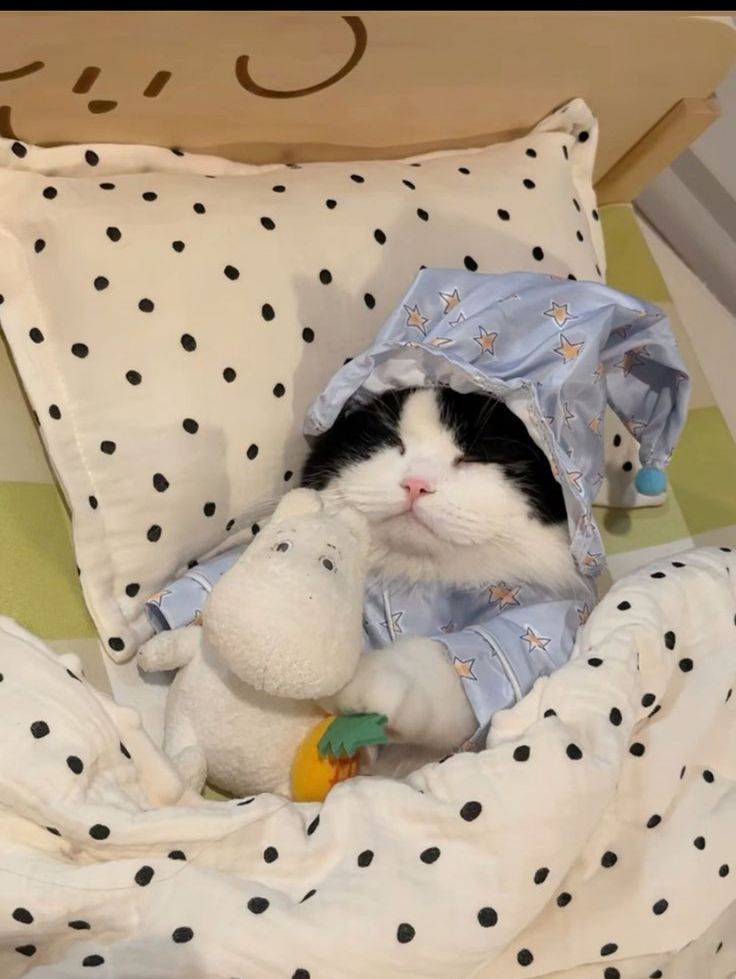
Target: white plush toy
281	629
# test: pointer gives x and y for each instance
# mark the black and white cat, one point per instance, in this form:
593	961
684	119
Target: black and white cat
458	493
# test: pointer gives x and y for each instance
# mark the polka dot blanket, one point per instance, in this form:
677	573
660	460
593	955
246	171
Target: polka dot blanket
593	839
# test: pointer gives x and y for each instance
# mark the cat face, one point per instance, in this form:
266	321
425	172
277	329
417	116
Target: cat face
443	479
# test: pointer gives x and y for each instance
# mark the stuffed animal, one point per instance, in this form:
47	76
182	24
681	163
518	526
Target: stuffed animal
280	630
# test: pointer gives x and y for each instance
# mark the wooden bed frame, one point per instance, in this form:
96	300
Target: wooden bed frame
287	86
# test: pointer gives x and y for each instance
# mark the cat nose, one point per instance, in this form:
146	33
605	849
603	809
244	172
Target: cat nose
415	487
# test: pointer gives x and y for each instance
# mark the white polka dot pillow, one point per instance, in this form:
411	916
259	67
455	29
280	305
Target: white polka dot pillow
171	316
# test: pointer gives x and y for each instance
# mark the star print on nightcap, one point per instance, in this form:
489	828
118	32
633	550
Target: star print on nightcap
595	424
504	595
486	340
599	372
583	614
635	427
508	299
631	359
568	350
446	629
464	668
440	342
535	641
560	314
621	331
159	596
461	317
450	299
395	623
679	378
574	476
568	415
414	318
591	560
198	618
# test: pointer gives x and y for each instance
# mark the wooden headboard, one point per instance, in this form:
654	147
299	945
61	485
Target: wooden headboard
287	86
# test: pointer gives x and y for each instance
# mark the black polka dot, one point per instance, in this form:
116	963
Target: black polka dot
726	549
153	533
637	749
529	184
27	950
301	974
19	149
308	895
669	641
503	214
627	467
409	184
623	606
708	776
146	305
615	716
610	948
255	529
229	525
571	276
40	729
133	377
23	915
278	188
73	676
188	342
92	500
231	272
35	334
93	960
422	214
160	482
659	907
617	440
573	752
190	425
75	764
50	829
583	136
728	695
39	245
101	282
182	935
579	235
405	933
724	870
524	957
50	193
177	855
653	821
307	335
685	664
80	350
176	151
79	925
522	753
124	751
380	236
267	312
531	153
430	855
595	661
178	246
356	177
658	574
415	164
229	375
116	643
257	905
365	859
682	771
209	509
699	842
563	899
537	253
325	277
611	973
55	412
107	186
113	233
550	713
541	875
657	974
99	831
648	699
252	451
470	263
677	564
609	859
312	828
144	876
471	811
369	300
270	854
577	206
330	203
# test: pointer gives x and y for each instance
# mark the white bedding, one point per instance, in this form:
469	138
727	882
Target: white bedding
458	872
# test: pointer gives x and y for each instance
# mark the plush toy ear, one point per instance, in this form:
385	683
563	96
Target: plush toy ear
298	503
356	522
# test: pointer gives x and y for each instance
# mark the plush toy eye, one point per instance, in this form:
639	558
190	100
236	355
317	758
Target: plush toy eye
327	564
283	545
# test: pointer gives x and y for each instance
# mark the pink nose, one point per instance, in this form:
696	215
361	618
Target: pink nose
415	487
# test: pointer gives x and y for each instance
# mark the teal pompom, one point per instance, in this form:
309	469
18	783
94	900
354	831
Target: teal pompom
650	481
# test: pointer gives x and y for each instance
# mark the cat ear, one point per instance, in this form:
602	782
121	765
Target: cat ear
299	503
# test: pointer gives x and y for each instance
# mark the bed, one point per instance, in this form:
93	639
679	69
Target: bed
367	86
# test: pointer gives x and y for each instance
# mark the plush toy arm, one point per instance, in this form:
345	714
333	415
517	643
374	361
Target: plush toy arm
169	650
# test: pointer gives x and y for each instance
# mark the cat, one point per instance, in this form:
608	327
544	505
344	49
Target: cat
458	494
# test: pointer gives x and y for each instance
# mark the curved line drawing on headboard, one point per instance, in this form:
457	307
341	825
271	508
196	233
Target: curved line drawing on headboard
360	39
30	69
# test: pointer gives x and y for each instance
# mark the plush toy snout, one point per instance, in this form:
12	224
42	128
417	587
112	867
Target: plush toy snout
287	617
